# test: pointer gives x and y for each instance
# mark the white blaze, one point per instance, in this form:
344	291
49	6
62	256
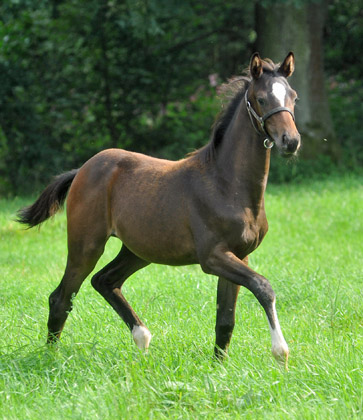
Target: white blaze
279	91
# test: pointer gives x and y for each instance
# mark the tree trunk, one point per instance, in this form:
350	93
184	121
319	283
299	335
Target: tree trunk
282	28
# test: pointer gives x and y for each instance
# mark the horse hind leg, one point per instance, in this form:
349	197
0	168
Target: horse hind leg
80	262
108	282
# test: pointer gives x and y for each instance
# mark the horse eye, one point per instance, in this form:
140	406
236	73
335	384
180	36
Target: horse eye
261	101
296	99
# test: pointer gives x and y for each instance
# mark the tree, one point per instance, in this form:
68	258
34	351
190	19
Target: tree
78	77
298	26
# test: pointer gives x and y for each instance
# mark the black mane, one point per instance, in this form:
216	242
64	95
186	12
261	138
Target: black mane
225	117
233	91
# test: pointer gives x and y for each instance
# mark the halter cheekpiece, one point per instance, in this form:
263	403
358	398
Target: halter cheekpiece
268	142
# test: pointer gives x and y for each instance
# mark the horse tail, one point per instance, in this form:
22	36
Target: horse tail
49	201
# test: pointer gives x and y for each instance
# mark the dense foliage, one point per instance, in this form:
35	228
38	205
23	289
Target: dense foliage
76	77
344	68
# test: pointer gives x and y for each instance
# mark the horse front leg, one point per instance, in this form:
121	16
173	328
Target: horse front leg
227	294
225	264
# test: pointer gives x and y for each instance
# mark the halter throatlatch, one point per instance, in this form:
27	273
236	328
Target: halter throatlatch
268	142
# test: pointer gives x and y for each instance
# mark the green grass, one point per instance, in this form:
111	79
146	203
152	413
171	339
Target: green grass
312	256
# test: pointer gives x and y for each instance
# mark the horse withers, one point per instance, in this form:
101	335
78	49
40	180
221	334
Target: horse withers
206	209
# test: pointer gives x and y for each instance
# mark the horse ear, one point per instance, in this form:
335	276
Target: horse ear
256	66
288	66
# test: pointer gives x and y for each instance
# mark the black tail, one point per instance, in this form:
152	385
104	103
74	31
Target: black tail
49	201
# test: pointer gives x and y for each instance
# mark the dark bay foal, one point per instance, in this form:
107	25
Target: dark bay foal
207	208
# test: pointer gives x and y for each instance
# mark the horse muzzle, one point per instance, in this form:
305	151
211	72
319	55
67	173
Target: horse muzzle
290	144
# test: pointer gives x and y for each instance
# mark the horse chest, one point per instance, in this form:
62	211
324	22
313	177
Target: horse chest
240	228
249	233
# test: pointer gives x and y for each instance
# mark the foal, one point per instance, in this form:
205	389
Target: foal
207	209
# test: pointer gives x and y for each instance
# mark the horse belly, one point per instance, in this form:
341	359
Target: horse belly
156	242
151	219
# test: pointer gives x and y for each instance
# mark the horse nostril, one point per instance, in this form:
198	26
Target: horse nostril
290	145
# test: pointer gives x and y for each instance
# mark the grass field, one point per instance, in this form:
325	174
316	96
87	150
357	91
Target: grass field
313	258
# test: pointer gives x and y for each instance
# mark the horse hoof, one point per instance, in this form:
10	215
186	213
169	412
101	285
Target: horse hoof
220	354
282	357
53	338
141	336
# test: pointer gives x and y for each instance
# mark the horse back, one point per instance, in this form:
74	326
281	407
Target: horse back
140	199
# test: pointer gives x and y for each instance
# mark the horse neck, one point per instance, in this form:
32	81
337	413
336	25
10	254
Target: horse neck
242	161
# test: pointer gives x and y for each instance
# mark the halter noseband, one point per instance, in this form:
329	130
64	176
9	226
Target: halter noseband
268	142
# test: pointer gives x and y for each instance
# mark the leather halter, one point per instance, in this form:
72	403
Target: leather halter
269	142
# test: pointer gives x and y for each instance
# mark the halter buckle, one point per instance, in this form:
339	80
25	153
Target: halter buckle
269	144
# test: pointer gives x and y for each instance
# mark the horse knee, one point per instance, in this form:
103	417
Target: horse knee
265	294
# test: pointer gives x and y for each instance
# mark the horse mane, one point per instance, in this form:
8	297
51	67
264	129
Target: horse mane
230	93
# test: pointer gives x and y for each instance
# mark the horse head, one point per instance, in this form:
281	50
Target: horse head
270	102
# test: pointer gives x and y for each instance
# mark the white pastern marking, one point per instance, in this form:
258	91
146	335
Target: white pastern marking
279	346
279	91
141	336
